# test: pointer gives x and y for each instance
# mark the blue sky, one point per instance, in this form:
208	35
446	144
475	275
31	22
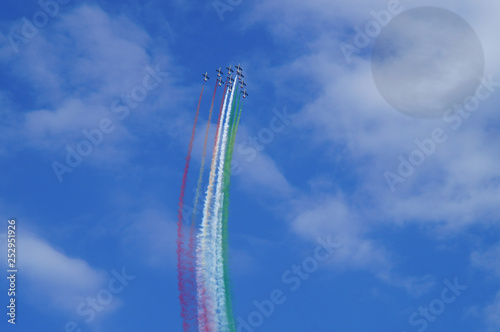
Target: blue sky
427	239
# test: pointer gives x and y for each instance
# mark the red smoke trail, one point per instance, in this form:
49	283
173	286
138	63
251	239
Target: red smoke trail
181	257
200	177
204	312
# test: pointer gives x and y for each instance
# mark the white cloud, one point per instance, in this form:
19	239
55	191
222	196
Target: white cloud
260	173
344	114
67	121
84	51
456	186
488	259
285	15
421	70
75	122
80	64
332	216
492	314
55	278
151	235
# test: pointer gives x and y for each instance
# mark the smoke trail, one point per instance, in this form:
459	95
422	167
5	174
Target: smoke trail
216	224
225	215
202	301
205	305
184	297
202	260
191	252
202	168
237	114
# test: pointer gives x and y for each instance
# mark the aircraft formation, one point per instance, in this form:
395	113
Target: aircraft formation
202	243
230	71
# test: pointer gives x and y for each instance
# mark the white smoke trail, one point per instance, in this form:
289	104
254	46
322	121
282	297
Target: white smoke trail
204	253
216	224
